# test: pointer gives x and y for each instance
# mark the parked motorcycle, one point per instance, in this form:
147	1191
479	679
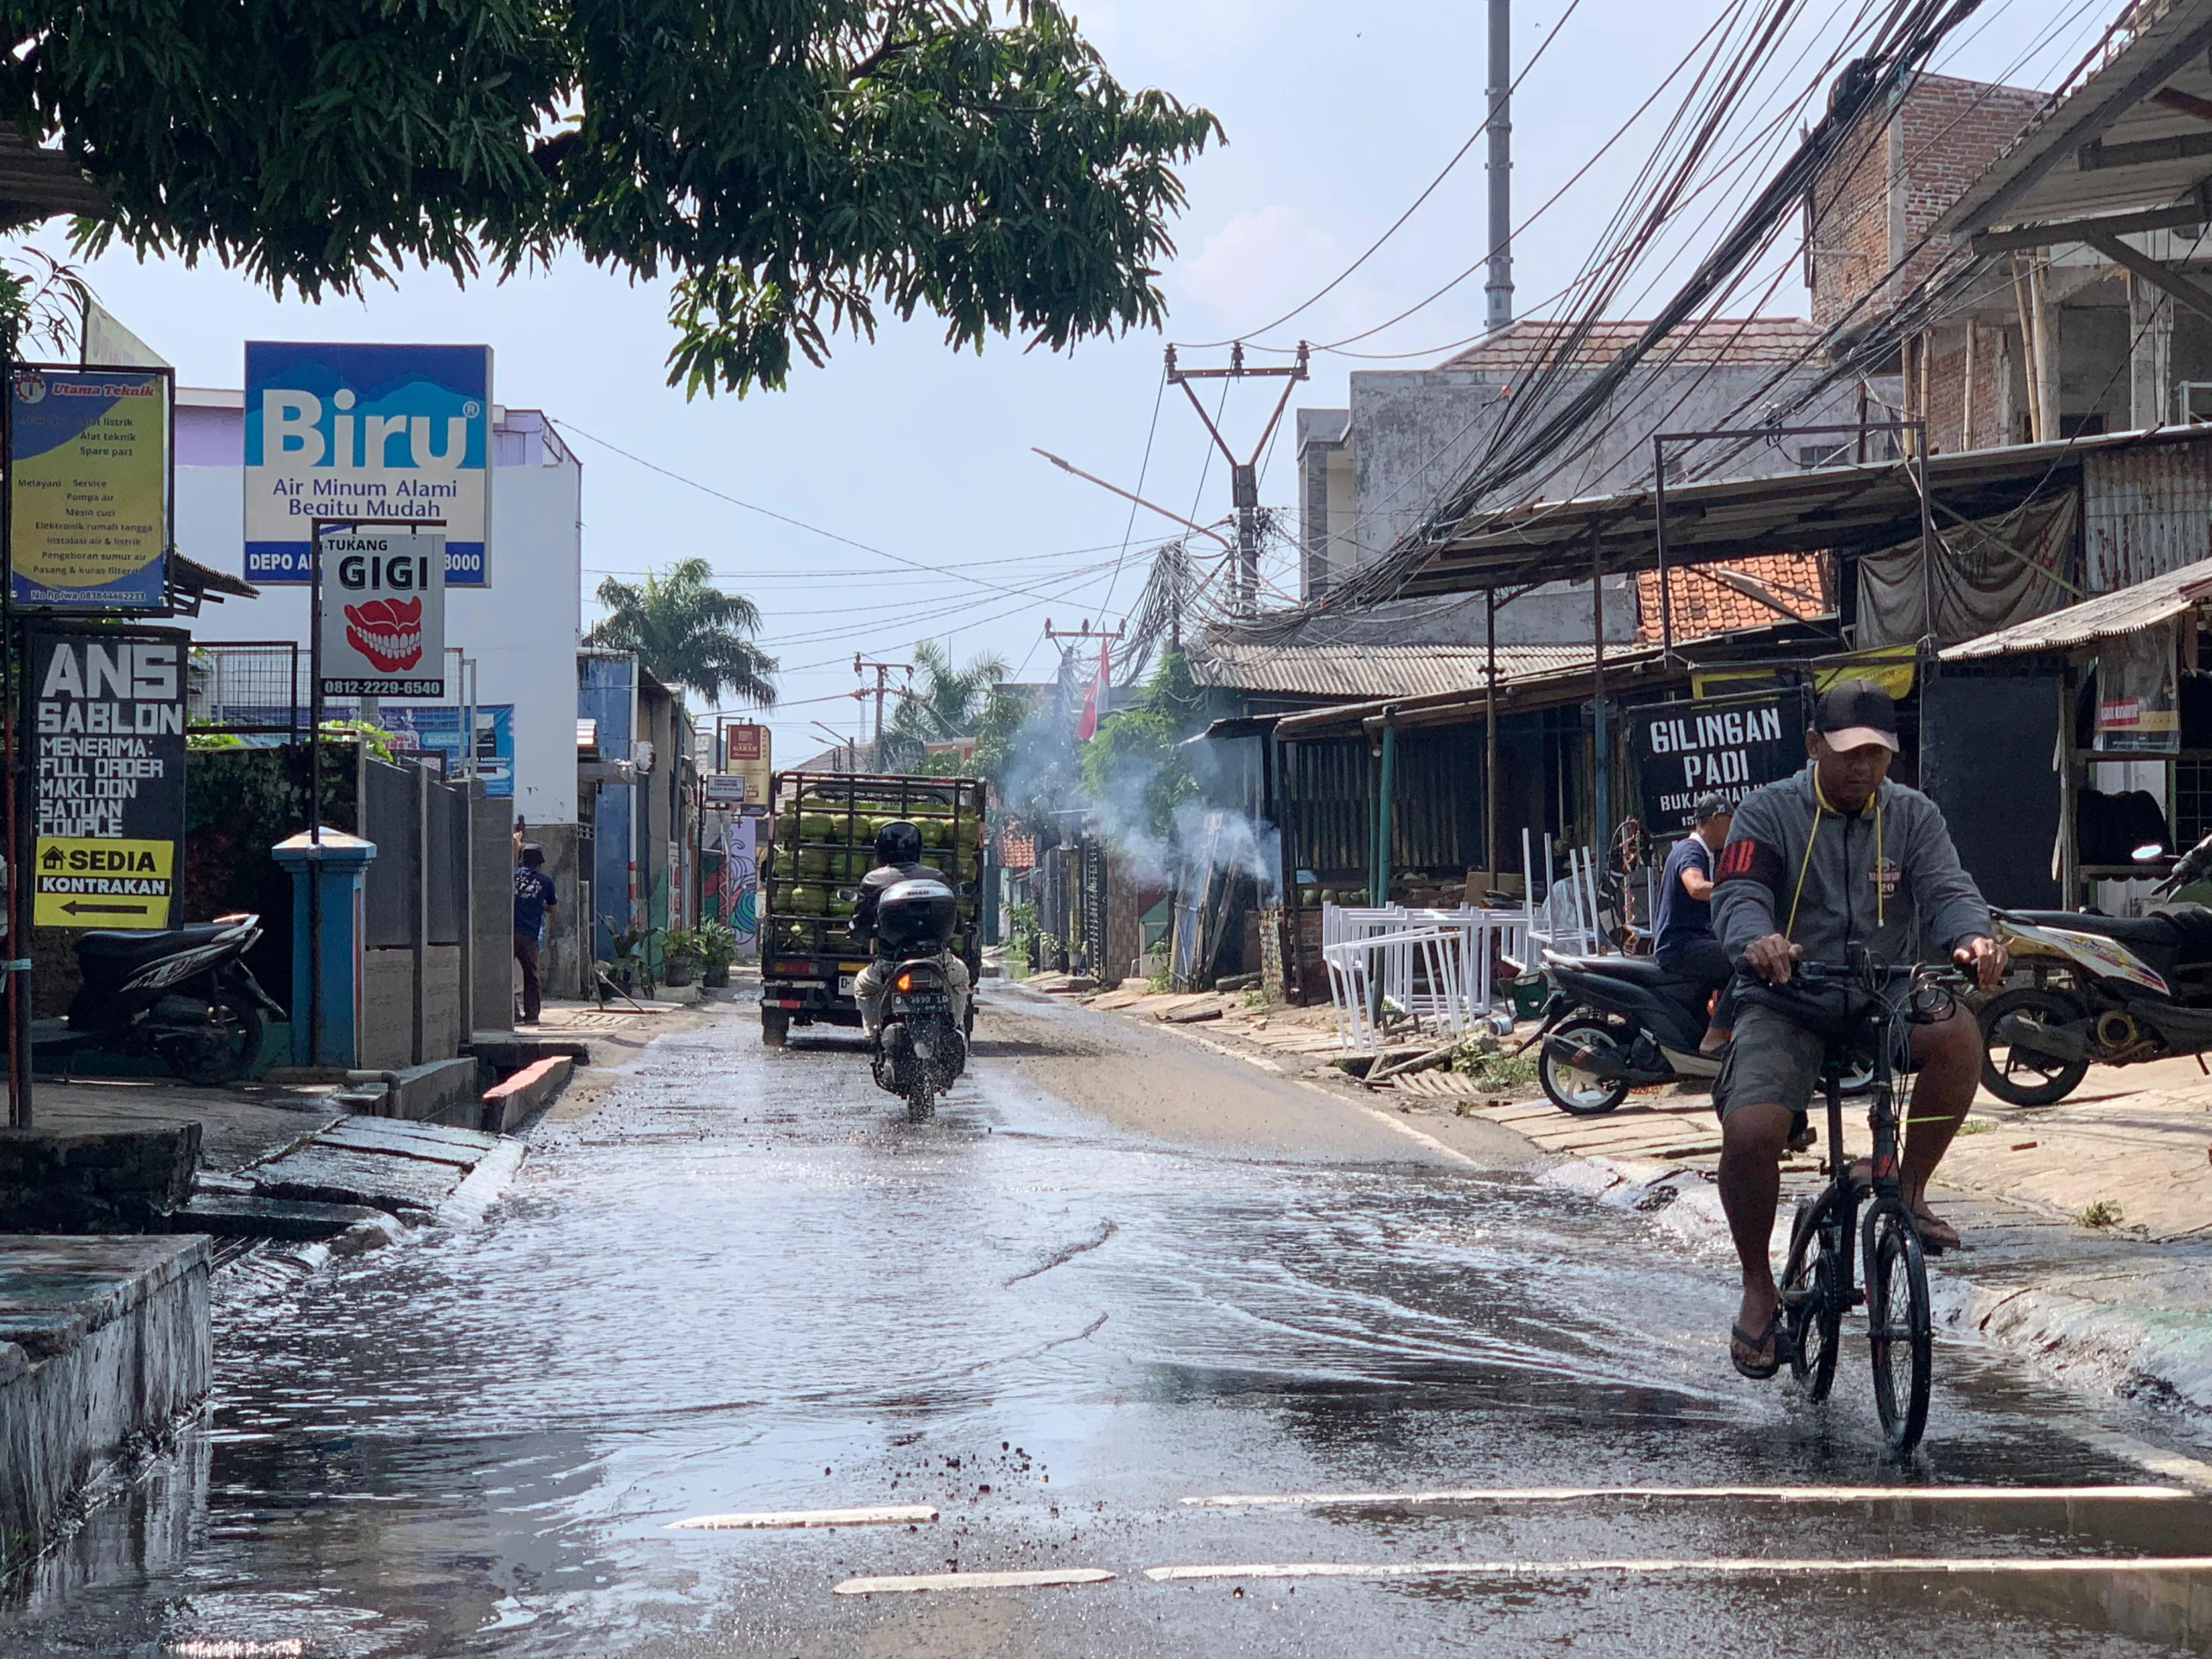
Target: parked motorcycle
922	1050
2107	991
185	997
1618	1023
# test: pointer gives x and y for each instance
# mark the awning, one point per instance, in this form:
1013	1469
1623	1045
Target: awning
2125	610
1634	667
1847	508
186	584
36	184
2126	148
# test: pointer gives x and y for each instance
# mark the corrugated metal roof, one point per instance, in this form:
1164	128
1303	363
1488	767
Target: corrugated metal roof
2106	617
1368	670
1520	347
2105	146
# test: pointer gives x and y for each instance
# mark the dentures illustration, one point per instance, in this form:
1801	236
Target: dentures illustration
387	631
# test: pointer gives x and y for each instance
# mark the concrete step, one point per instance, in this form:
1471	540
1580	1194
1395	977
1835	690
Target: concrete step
230	1215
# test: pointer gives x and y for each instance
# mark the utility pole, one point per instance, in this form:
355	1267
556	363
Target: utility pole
1243	476
1499	288
883	672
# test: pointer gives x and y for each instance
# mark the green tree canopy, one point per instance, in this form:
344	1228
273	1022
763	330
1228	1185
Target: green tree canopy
687	631
796	165
948	702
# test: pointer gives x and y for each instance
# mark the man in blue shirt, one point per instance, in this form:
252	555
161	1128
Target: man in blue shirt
1683	939
535	900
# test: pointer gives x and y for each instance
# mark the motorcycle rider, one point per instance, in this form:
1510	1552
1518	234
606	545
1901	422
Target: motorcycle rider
1683	941
1835	858
898	858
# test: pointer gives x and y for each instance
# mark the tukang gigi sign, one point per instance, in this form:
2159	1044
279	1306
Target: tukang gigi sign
383	614
390	432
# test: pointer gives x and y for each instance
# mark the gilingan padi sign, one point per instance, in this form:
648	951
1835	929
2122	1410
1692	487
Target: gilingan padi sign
385	432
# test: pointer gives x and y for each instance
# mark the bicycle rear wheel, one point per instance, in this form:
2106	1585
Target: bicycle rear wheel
1899	1328
1812	1300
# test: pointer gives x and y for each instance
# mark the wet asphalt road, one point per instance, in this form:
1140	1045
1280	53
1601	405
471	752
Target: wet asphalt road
743	1282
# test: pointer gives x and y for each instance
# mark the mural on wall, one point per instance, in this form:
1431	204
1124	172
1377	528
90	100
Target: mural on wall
741	882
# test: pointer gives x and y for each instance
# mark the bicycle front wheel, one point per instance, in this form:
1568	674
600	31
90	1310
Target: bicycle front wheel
1812	1300
1899	1328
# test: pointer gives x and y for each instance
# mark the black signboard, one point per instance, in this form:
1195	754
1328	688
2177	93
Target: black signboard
108	757
1723	745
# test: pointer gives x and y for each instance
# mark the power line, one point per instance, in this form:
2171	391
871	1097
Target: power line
1397	224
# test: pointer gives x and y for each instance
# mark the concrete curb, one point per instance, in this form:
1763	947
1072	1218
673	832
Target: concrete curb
2162	1356
508	1105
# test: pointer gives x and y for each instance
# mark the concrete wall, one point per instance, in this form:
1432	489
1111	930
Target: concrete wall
387	1009
103	1341
492	965
442	1011
522	628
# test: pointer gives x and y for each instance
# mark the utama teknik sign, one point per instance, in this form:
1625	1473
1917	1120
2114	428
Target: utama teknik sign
385	432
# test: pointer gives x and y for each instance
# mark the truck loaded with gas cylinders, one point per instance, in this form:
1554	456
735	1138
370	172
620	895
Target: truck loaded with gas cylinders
824	844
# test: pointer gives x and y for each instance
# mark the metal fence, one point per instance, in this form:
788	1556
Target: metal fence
249	686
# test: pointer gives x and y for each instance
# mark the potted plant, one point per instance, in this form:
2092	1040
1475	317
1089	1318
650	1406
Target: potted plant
716	944
679	957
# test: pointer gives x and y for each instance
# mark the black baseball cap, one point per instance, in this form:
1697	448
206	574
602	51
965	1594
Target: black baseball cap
1851	714
1709	806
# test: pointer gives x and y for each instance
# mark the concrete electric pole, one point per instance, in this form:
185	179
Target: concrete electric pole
883	672
1499	288
1243	476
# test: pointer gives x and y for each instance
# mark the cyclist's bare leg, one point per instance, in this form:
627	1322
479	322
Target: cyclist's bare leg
1752	1138
1947	1057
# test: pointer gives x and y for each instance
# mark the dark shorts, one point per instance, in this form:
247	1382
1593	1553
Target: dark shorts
1773	1060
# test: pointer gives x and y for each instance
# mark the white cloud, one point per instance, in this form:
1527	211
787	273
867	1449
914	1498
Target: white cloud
1259	264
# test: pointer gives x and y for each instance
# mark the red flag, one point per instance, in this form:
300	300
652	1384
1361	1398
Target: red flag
1094	703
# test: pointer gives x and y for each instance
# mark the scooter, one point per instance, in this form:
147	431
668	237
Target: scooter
1618	1023
185	997
2107	991
922	1050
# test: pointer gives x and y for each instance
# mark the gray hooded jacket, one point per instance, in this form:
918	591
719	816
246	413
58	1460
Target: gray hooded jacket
1919	902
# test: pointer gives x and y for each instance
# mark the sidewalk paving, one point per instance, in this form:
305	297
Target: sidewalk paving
2122	1306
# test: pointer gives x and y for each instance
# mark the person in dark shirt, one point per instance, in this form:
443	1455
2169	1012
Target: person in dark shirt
535	900
1684	943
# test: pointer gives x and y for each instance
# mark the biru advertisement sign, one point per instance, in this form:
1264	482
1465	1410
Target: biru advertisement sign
377	431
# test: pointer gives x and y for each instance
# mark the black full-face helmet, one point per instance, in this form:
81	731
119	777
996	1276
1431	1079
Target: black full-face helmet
898	842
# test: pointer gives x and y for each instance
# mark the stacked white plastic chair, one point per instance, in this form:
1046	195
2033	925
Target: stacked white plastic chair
1433	969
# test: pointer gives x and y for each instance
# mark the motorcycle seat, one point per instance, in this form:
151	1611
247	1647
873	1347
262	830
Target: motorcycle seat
116	948
1641	971
2157	933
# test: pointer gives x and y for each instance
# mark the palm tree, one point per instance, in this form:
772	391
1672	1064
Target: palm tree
948	702
687	631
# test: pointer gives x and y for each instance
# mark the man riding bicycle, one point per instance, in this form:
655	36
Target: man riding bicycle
1818	867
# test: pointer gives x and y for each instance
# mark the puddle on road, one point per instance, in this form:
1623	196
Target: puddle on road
745	1283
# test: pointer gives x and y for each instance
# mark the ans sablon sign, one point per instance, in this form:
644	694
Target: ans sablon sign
108	759
334	432
383	614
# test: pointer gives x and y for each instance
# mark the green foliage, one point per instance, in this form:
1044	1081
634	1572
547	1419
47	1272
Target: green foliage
41	303
1027	752
715	943
1140	750
795	165
687	631
947	702
1480	1058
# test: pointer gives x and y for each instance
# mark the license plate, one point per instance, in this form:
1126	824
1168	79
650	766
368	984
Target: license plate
845	984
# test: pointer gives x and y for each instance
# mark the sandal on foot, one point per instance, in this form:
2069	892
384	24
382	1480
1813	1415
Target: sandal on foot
1936	1235
1758	1371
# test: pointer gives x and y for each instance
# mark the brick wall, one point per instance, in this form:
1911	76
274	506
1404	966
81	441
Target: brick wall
1948	131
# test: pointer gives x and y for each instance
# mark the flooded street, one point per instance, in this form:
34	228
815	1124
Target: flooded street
744	1283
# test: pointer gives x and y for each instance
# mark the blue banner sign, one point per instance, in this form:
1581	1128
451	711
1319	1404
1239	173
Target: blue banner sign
436	729
357	433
